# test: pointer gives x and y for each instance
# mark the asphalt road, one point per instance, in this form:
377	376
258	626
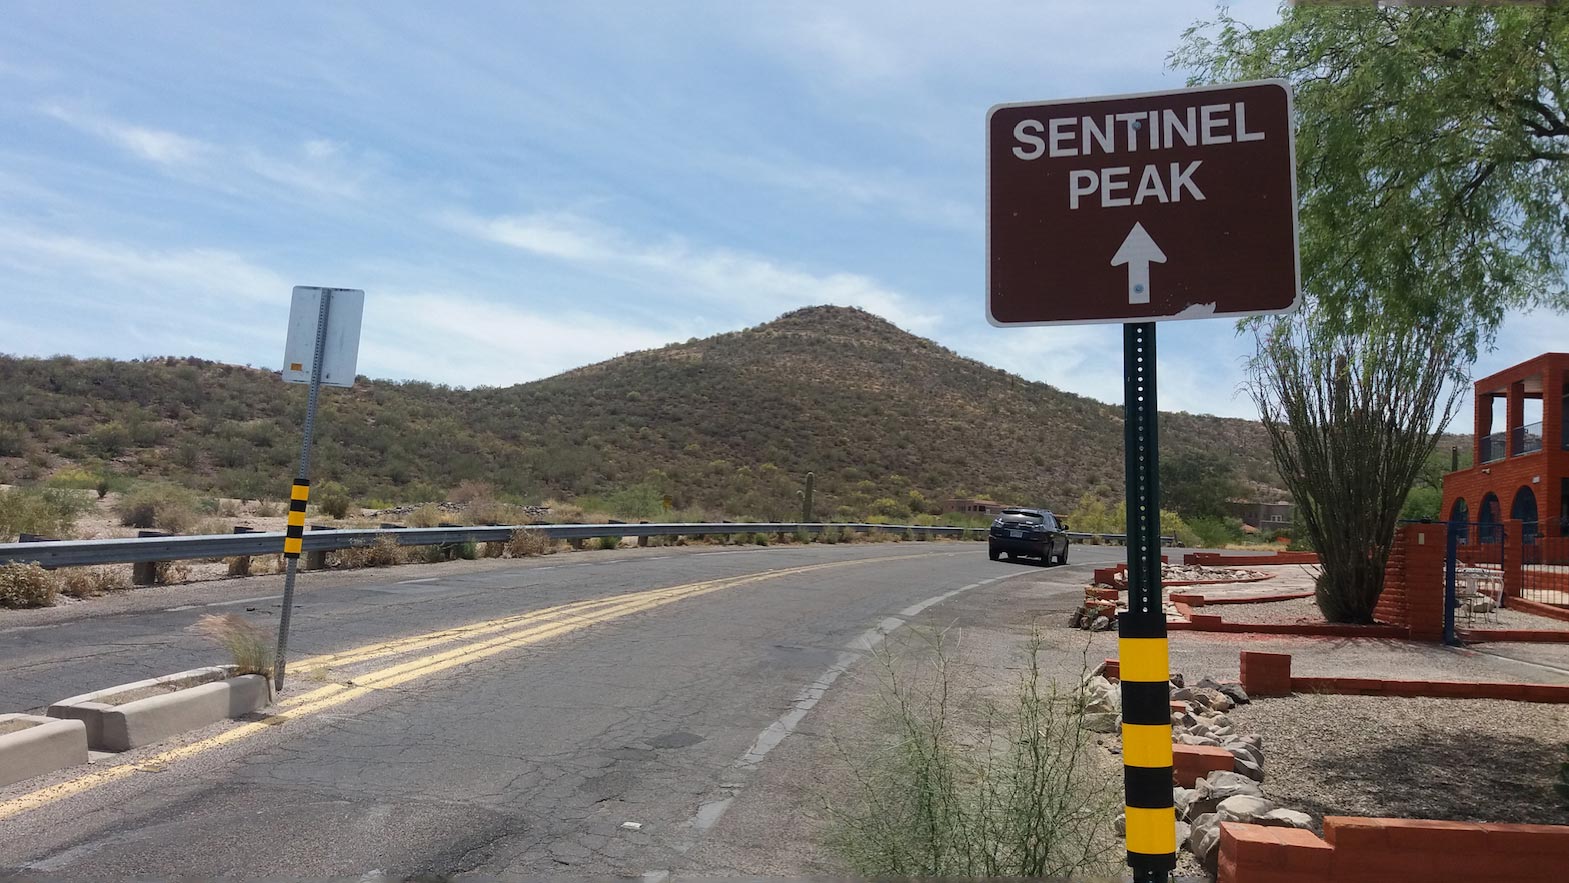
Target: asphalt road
587	713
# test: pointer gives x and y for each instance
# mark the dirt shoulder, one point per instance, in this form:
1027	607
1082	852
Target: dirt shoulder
780	824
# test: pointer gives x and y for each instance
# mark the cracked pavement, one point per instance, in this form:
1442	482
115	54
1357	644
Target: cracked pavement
522	763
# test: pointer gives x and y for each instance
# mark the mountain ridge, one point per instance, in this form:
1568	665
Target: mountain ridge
729	423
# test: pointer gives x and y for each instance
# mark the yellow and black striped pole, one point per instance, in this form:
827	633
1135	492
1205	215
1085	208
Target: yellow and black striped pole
1151	819
294	538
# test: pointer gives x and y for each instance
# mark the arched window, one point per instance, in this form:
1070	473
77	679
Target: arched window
1458	513
1488	517
1524	510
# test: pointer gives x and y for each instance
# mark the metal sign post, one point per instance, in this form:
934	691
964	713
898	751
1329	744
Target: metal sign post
329	346
1151	815
1083	197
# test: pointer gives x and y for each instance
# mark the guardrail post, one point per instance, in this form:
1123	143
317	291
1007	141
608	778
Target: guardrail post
145	573
576	543
241	565
317	560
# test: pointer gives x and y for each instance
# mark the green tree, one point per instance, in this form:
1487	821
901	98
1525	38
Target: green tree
1431	171
1197	483
1432	154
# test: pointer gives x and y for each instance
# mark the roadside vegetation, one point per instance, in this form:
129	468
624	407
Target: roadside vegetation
965	785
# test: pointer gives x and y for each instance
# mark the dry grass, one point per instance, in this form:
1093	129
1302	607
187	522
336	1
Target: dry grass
87	582
249	646
27	585
384	552
526	543
426	516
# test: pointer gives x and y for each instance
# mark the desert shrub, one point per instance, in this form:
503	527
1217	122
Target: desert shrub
239	565
167	572
1215	533
332	500
430	554
964	786
801	536
609	542
469	491
48	511
85	582
384	551
249	646
266	509
492	550
760	538
161	506
27	585
525	543
425	516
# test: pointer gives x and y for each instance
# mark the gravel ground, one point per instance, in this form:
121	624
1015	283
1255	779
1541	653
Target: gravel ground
1296	610
1460	759
1511	619
1197	654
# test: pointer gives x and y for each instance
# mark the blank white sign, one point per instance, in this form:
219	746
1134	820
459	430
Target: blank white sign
342	347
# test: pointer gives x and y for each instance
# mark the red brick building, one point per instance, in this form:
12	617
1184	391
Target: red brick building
1520	470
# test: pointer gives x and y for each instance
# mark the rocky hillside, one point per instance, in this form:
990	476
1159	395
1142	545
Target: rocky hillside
729	423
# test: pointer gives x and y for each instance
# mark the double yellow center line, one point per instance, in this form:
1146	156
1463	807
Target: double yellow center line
472	642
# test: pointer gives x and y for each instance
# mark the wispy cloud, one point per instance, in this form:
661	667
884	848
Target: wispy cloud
154	145
314	166
174	271
767	286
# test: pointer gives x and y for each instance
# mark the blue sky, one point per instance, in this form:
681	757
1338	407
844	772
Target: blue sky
524	188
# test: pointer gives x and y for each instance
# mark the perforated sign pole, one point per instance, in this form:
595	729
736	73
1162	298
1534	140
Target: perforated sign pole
1141	646
299	495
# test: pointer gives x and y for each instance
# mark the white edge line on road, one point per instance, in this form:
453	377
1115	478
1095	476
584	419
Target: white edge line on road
710	812
409	582
244	601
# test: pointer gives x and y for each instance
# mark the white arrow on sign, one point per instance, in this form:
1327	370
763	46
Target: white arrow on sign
1137	251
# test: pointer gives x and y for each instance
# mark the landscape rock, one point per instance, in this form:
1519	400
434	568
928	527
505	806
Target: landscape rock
1209	791
1245	751
1235	693
1285	818
1102	722
1184	831
1203	840
1243	808
1254	771
1176	681
1191	739
1100	624
1121	824
1182	799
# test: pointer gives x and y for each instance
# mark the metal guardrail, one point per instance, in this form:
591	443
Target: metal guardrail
135	550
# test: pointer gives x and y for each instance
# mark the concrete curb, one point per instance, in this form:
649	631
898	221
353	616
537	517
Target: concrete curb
45	745
204	696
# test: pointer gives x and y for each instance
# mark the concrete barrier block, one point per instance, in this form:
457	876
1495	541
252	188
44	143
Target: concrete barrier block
31	745
202	696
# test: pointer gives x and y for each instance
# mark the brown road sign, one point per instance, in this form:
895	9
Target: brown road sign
1135	208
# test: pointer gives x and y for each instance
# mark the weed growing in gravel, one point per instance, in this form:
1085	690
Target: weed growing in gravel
248	645
27	585
609	542
967	787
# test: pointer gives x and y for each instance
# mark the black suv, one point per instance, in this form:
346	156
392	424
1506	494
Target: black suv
1029	532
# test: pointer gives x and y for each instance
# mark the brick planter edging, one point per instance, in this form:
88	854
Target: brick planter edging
212	696
1537	608
1534	636
1556	693
44	746
1217	559
1200	622
1364	850
1194	599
